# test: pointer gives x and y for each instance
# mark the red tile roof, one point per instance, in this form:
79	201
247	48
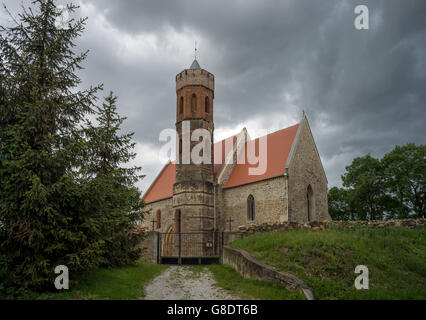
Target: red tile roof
162	187
279	145
278	149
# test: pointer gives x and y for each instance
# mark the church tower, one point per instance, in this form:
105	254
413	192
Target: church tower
193	190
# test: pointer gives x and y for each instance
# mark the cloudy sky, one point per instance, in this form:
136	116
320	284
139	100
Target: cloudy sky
364	91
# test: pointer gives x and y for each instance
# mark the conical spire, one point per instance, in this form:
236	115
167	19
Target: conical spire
195	65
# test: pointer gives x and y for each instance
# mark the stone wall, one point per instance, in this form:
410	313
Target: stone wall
149	247
167	215
270	203
408	223
190	77
252	228
305	169
251	268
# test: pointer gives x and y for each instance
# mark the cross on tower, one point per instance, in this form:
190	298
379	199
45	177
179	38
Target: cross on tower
195	50
230	220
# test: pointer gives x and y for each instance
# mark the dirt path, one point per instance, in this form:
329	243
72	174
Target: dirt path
185	283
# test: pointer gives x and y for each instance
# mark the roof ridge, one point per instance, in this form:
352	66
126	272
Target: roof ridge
276	131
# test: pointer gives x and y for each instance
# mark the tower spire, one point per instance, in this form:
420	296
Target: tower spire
195	64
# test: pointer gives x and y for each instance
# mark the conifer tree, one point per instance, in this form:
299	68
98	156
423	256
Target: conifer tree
115	200
48	209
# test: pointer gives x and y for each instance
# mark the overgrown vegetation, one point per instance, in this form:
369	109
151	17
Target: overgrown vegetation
232	281
66	191
326	260
393	187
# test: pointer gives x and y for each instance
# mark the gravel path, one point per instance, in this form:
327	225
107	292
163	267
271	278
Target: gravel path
185	283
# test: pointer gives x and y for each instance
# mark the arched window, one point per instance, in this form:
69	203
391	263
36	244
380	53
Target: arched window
309	202
158	219
178	221
194	103
250	208
181	105
207	105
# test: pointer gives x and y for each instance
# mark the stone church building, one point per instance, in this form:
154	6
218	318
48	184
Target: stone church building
223	194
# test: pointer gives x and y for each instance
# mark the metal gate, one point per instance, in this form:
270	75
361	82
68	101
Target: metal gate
190	247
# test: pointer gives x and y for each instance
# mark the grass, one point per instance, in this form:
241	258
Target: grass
326	260
230	280
126	283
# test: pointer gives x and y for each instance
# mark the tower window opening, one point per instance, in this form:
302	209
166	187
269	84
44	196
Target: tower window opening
207	105
310	203
180	150
181	105
194	103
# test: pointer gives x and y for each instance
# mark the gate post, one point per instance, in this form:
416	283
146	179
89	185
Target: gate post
180	248
222	241
158	248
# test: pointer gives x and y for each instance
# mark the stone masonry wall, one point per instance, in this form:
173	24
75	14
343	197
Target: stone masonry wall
270	203
194	77
167	215
252	228
149	247
251	268
306	169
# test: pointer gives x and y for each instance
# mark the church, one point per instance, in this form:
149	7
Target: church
223	194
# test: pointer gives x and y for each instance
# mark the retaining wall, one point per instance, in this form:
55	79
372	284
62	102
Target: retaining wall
251	268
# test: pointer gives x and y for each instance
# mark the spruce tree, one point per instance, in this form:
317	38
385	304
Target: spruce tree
115	200
43	195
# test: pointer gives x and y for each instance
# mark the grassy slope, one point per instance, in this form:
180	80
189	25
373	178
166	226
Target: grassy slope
115	283
230	280
326	260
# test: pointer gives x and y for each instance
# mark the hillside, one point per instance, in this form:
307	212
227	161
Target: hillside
326	260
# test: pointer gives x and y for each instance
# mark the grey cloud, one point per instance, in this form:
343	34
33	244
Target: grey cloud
363	91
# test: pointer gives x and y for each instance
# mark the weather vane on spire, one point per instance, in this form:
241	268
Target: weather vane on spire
195	50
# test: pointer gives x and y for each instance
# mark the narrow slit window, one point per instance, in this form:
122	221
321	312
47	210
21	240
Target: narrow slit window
181	105
207	105
250	208
194	103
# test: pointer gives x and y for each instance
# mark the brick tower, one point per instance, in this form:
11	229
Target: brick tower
193	190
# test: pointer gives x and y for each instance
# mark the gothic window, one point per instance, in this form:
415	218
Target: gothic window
250	208
158	219
194	103
207	105
181	105
309	202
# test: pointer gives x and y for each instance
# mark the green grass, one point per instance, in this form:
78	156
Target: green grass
326	260
232	281
126	283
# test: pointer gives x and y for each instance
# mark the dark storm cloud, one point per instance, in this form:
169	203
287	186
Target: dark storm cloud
363	91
